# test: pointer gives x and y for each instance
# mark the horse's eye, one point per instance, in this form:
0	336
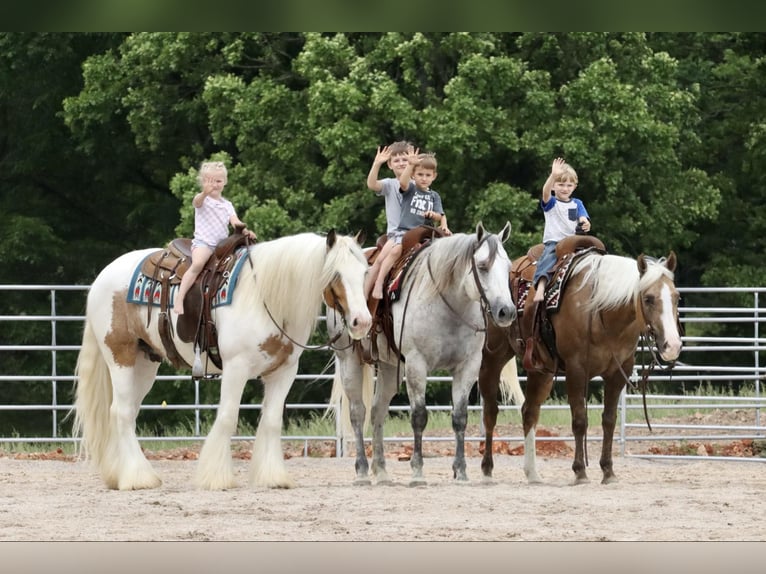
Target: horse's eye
483	266
649	300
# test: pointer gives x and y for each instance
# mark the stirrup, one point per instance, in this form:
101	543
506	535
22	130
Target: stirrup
197	370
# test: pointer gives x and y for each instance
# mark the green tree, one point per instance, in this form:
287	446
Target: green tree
102	135
53	212
727	70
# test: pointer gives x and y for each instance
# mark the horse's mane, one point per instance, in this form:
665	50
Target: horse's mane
616	280
445	260
289	274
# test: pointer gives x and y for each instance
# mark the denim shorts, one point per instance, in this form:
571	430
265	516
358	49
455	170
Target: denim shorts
397	235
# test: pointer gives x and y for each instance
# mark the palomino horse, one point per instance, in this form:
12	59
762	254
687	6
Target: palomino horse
260	334
608	303
438	322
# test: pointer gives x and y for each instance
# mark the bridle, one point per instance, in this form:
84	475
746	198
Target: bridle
483	300
336	306
648	339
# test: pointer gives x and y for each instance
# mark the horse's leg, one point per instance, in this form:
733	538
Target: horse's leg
416	391
125	467
385	389
613	385
488	387
267	467
461	388
352	375
576	383
108	397
538	388
495	354
215	470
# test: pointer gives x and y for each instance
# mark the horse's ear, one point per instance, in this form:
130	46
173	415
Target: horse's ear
505	233
331	237
671	261
641	263
361	236
480	231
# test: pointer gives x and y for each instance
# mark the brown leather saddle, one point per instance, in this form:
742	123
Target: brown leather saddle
536	333
196	325
380	309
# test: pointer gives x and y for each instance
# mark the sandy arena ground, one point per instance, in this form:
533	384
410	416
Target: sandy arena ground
670	500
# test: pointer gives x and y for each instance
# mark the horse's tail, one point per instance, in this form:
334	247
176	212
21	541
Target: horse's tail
93	398
509	383
339	406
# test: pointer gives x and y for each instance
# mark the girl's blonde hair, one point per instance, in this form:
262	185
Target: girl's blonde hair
208	167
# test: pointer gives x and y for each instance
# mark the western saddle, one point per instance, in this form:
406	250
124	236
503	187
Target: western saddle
536	333
167	267
380	309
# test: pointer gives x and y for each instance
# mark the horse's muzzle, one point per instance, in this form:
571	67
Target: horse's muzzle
503	315
359	324
670	350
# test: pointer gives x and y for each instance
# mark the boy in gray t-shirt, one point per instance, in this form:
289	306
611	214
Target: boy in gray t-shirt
419	203
395	157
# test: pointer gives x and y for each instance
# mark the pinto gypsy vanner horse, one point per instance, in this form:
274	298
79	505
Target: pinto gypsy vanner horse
607	304
261	333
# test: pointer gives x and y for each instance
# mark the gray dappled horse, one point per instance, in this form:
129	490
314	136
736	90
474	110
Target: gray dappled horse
439	322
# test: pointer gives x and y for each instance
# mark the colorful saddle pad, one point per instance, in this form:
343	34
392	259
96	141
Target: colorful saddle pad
145	291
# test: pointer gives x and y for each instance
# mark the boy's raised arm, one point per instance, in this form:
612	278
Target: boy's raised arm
548	185
373	183
406	177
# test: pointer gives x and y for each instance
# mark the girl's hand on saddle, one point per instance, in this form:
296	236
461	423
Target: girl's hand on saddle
445	231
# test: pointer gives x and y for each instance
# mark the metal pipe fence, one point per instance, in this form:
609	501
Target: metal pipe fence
707	358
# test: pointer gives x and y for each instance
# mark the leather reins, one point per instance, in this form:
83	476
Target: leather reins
325	346
648	338
483	300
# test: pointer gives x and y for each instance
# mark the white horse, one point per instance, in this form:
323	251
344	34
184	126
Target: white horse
439	322
260	334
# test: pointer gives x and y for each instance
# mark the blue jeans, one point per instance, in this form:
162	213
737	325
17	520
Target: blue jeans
546	262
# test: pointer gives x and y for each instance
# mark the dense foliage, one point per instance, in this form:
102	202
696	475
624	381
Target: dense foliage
101	134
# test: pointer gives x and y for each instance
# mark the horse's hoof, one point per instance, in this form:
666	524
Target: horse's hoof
488	480
420	481
362	481
385	482
611	479
581	480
